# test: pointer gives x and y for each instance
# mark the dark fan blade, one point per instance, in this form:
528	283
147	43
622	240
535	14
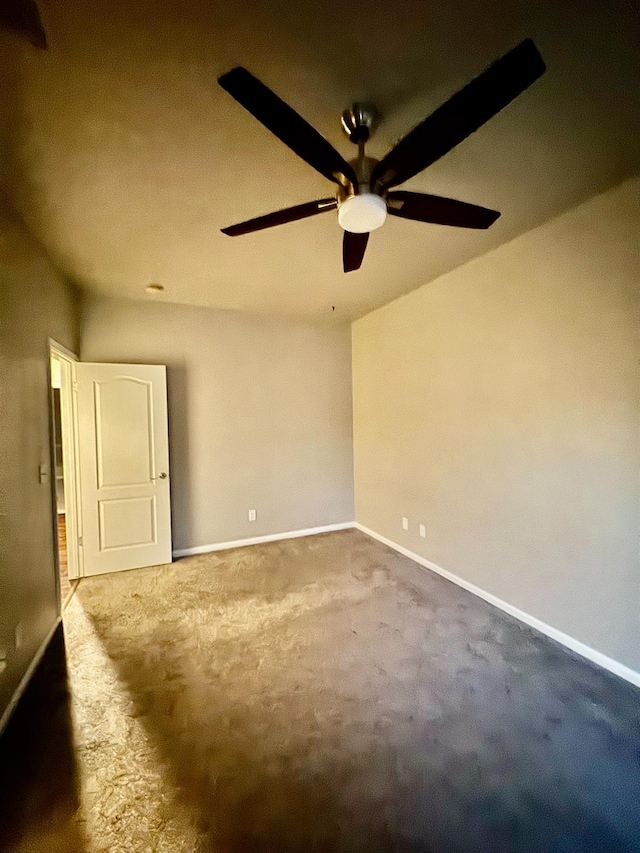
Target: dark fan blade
440	211
23	17
287	125
280	217
460	116
353	248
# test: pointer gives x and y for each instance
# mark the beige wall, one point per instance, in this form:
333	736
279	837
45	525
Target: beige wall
35	304
500	406
259	411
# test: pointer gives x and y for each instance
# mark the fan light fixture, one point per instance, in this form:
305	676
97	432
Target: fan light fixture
362	213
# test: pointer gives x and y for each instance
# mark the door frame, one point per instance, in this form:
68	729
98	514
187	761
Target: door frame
71	482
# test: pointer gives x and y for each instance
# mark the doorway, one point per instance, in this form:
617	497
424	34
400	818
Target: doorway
64	469
110	458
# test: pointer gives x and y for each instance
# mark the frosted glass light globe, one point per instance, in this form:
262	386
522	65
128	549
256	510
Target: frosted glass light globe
362	213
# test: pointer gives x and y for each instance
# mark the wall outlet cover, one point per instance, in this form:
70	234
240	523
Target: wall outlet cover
423	531
252	515
405	523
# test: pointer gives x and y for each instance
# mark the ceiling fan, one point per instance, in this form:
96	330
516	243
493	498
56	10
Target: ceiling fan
364	196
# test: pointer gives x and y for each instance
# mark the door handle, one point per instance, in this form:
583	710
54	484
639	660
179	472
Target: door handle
163	475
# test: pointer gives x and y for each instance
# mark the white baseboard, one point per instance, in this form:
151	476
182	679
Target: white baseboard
26	678
570	642
257	540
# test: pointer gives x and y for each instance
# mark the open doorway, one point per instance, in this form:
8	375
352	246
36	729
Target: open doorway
64	480
61	523
110	458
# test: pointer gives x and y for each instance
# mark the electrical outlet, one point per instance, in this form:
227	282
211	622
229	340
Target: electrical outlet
3	660
252	515
423	531
19	636
405	523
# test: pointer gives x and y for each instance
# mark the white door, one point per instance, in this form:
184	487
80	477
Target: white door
124	466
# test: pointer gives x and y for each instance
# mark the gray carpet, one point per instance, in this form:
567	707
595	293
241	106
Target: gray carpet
326	694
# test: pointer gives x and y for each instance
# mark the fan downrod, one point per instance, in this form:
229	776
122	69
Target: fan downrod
359	121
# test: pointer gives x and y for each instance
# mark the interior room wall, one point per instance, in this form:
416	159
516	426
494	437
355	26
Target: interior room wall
260	414
35	304
499	406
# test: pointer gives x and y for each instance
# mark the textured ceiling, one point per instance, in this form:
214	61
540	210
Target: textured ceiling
125	158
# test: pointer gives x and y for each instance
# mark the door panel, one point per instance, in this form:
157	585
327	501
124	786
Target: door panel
127	522
124	466
124	444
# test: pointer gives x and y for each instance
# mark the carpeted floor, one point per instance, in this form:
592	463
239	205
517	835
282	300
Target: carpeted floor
326	694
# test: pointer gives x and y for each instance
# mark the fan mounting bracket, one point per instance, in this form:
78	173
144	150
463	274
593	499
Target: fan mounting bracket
359	121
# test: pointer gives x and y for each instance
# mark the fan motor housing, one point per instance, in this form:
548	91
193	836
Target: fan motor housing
363	166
